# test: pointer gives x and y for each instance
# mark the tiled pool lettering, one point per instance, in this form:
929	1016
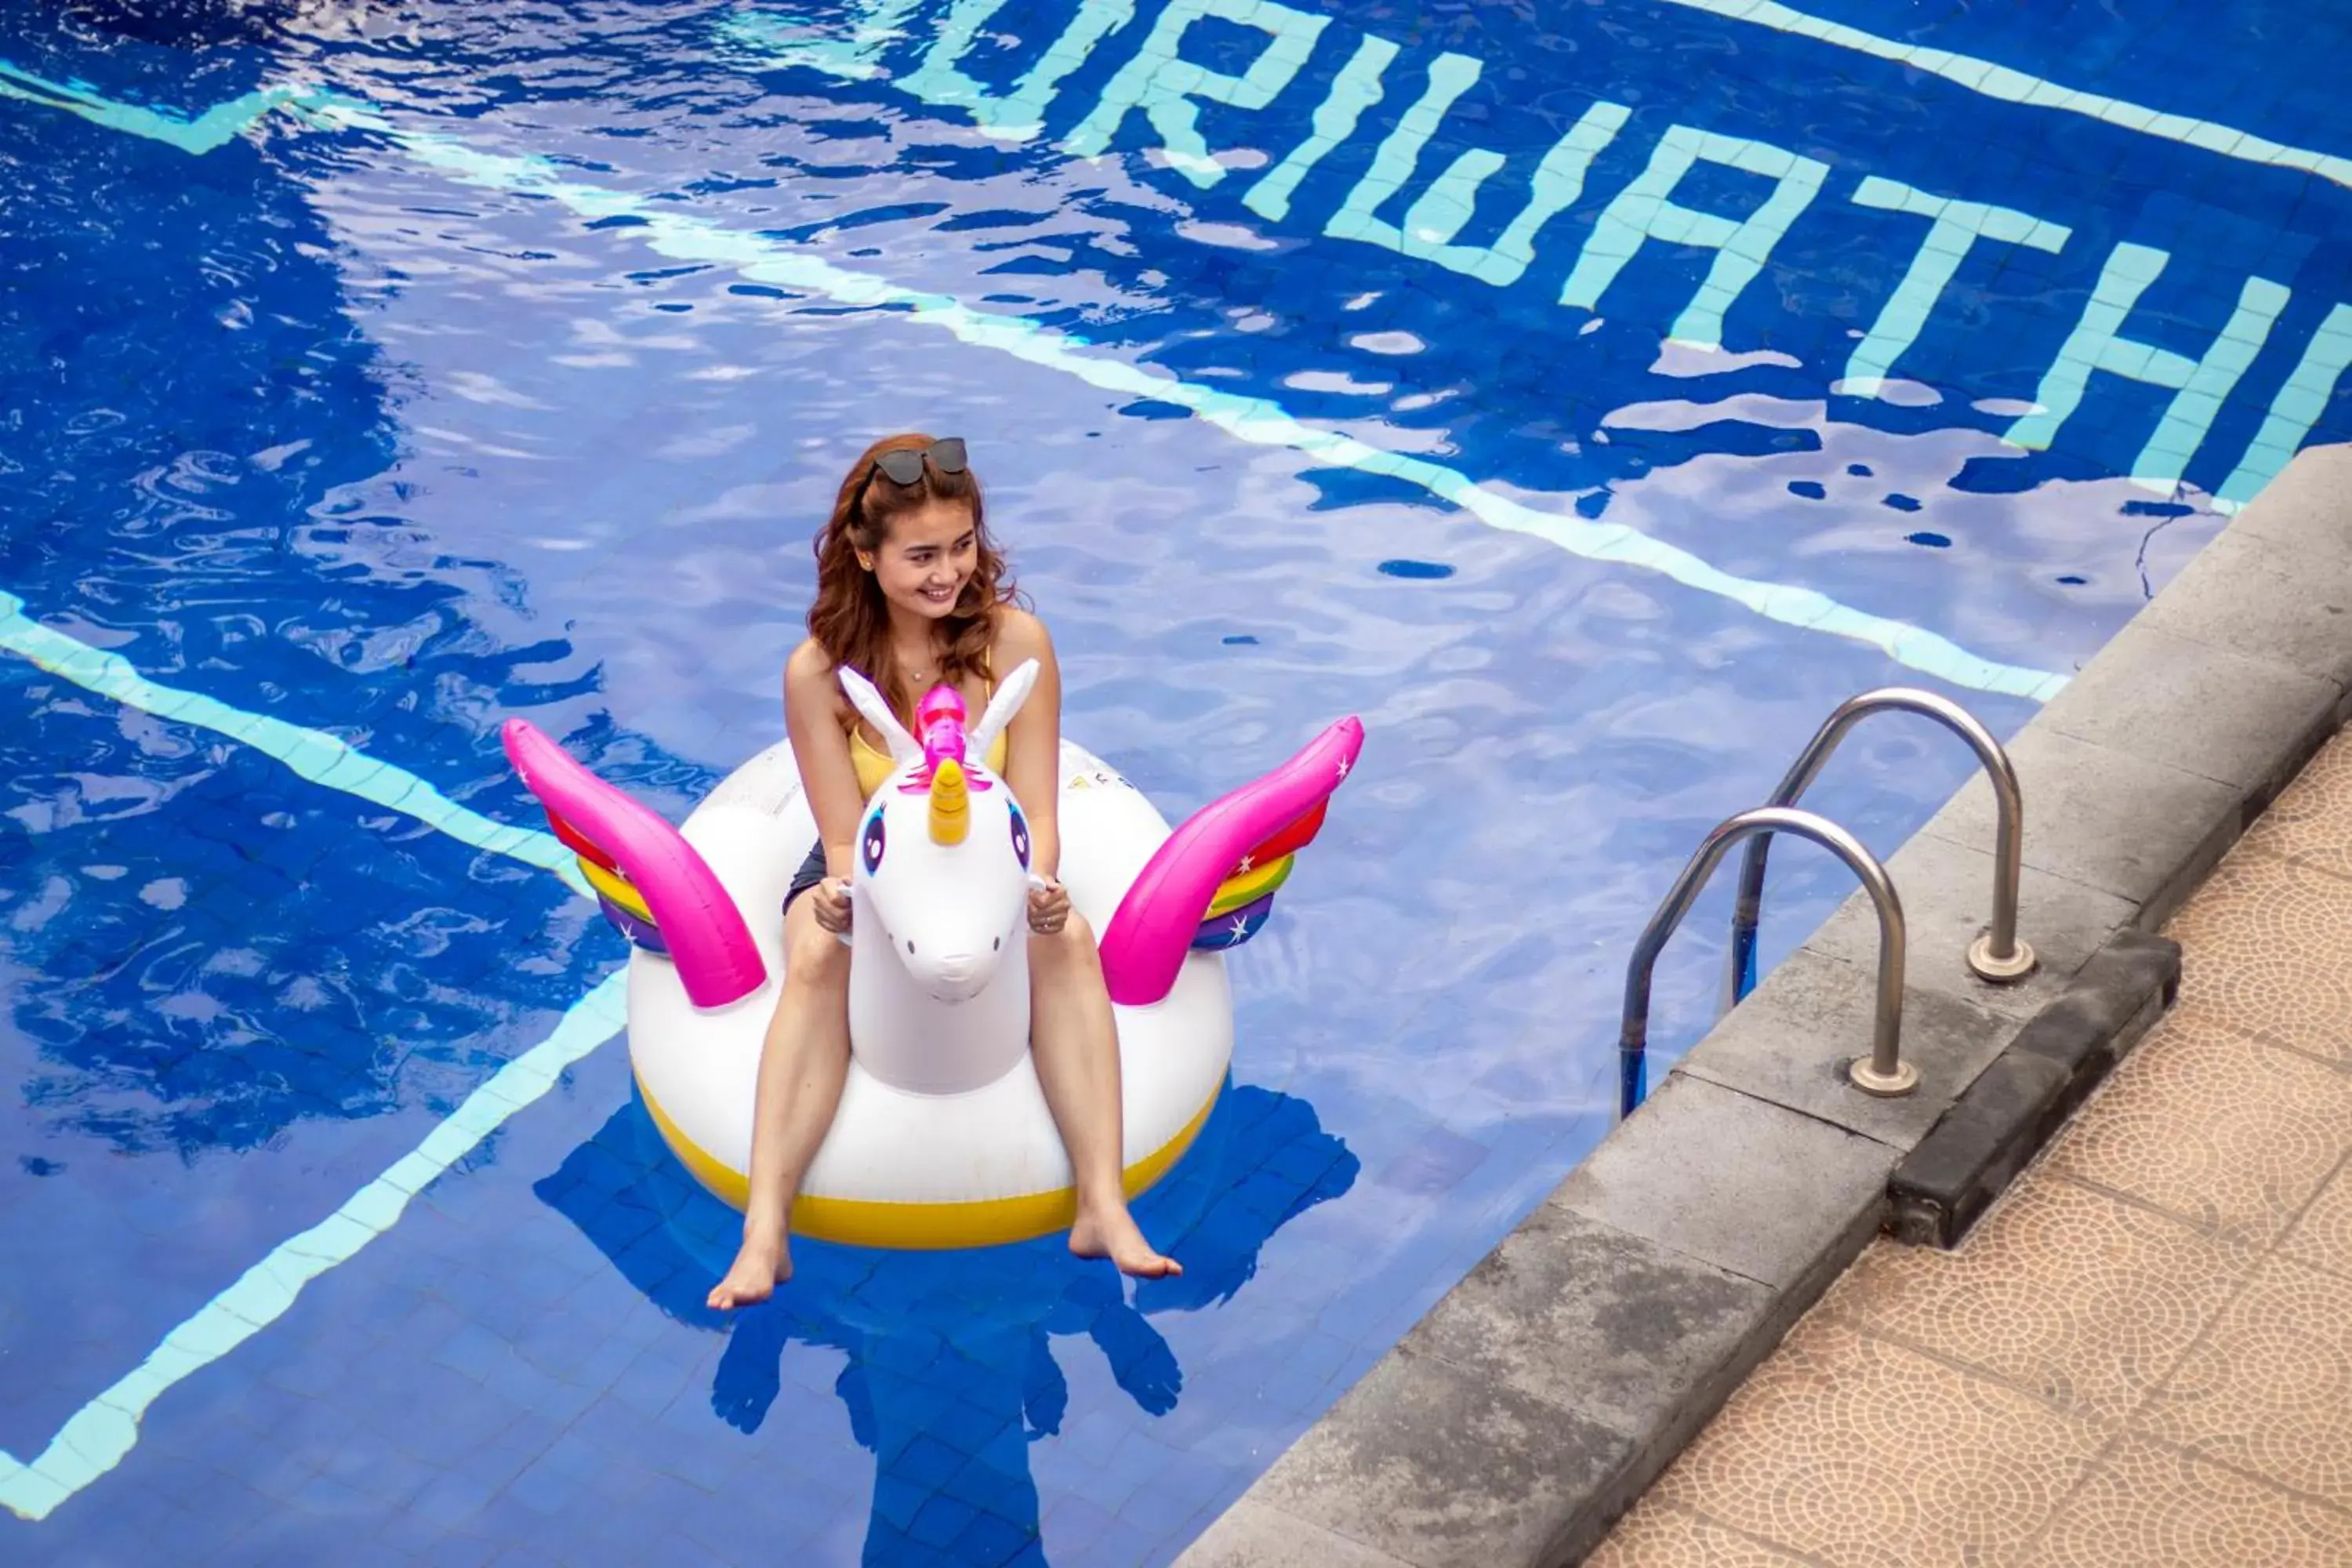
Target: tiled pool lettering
1165	89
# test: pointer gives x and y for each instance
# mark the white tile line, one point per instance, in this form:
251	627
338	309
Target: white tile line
102	1432
1258	421
314	755
98	1435
1997	81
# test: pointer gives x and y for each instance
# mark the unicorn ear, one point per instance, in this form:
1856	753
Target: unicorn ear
1011	693
868	702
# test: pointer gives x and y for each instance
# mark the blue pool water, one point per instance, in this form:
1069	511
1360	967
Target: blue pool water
372	372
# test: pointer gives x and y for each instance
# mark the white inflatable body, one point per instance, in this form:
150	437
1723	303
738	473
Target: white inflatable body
943	1137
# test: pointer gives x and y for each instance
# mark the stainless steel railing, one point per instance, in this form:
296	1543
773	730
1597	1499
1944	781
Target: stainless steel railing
1883	1072
1997	956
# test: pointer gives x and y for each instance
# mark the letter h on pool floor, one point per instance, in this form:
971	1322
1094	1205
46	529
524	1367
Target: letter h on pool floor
2200	387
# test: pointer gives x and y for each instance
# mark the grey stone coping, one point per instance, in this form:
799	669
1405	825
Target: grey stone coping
2025	1094
1518	1420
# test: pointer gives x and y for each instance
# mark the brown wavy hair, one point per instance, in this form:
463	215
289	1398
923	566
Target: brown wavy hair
850	620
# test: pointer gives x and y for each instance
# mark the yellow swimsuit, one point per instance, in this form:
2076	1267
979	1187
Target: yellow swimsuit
875	767
874	770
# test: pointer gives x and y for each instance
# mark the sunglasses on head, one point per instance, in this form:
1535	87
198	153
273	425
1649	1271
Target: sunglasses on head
904	465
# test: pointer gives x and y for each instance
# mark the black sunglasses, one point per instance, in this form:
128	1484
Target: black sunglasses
904	465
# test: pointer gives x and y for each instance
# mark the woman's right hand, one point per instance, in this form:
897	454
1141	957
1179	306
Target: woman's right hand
830	903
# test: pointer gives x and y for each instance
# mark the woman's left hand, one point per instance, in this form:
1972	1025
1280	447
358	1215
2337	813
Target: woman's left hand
1049	906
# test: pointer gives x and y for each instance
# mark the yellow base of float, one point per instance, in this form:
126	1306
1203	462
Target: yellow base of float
987	1221
943	1136
977	1167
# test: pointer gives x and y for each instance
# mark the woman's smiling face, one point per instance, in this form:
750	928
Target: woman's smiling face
930	556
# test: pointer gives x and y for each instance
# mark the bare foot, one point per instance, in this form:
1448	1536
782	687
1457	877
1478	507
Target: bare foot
1117	1237
757	1268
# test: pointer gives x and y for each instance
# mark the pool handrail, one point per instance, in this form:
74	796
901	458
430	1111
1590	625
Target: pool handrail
1997	956
1882	1072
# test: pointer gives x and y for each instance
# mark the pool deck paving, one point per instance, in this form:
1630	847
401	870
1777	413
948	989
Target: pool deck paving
2143	1352
1758	1223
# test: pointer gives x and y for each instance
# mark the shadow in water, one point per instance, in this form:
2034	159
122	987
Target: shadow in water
950	1370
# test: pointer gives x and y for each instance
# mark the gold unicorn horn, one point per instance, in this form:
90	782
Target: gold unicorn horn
951	803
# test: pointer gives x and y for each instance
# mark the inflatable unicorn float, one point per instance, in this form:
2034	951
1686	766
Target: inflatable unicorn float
943	1137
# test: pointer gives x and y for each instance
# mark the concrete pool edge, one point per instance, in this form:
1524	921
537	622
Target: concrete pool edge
1537	1400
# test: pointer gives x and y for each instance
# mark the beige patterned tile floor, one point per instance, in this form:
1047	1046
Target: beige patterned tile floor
2144	1354
2231	1135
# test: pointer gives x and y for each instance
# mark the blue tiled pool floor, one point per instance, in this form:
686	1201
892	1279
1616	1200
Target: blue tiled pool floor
366	378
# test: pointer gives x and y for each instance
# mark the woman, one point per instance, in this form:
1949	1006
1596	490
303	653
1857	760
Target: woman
910	592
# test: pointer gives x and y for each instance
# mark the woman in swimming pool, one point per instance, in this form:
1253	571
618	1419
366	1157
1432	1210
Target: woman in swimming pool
911	592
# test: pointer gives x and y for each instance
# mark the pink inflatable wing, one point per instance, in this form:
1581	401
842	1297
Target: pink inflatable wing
1163	915
692	919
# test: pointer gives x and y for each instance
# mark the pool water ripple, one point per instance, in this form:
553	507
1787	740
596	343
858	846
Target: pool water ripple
345	423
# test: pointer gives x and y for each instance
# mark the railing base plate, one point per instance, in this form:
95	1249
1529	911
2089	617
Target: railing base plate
1901	1080
2007	971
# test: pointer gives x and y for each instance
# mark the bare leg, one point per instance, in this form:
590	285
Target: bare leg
1075	1041
803	1064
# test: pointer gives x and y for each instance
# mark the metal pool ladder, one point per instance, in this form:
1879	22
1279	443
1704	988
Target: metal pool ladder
1997	956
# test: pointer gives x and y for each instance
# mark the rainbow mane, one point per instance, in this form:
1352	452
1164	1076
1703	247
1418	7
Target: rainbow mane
1201	891
638	864
1246	897
618	897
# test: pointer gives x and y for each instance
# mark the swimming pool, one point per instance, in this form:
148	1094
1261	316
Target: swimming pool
374	374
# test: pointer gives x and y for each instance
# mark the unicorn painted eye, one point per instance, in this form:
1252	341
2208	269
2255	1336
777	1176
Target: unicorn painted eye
872	844
1021	838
